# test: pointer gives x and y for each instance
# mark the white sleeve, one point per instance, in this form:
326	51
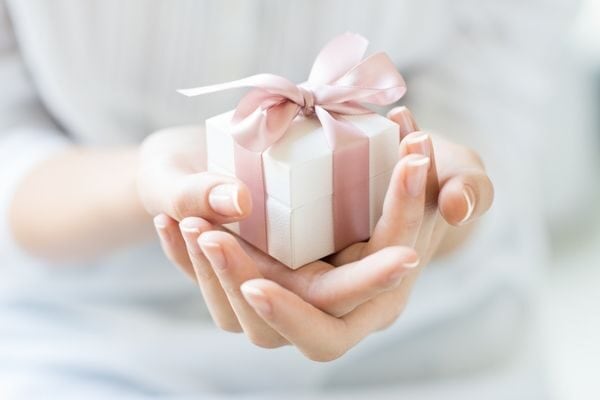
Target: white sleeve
506	85
499	86
28	134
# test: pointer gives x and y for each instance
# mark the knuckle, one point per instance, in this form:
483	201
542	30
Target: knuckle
390	318
387	322
327	355
412	222
474	157
265	341
399	309
411	135
490	186
204	272
150	142
229	325
181	261
181	202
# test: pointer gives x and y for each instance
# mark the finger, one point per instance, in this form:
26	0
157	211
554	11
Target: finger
350	254
340	290
318	335
403	207
172	243
174	182
170	143
405	120
466	190
181	193
399	226
420	143
214	197
233	267
465	197
381	311
215	298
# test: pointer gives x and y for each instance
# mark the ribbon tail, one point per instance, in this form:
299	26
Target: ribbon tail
273	84
249	169
351	208
219	87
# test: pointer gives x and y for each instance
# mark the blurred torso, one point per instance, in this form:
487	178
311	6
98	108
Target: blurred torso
107	71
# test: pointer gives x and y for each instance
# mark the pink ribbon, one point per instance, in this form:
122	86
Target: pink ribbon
340	81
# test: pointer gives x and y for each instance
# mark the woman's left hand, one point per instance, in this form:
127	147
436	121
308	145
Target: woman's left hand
325	308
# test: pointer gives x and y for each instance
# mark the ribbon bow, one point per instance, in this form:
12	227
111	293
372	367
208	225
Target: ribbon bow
340	81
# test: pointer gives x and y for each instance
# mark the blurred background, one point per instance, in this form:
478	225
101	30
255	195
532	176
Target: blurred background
571	296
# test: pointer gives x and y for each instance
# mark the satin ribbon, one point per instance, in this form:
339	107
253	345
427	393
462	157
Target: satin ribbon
340	81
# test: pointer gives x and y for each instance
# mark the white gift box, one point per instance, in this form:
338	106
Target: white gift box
298	179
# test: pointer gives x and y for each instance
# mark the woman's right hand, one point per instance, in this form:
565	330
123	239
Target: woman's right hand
172	180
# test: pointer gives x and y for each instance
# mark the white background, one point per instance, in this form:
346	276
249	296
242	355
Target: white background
571	293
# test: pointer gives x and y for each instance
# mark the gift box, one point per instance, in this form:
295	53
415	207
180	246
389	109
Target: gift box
316	160
298	181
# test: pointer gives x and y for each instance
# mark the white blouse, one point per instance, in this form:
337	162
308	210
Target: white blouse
102	73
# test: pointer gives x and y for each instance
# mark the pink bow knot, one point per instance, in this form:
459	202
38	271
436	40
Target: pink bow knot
308	101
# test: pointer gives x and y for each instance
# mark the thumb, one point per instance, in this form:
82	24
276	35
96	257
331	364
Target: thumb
466	196
214	197
172	179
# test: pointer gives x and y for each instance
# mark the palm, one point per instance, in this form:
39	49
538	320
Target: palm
321	283
352	293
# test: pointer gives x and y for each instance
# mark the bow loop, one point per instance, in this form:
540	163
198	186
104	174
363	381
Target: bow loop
340	81
337	57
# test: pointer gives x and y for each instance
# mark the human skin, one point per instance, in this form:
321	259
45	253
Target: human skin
437	189
85	202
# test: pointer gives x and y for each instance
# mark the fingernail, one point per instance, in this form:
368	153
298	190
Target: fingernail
224	200
419	144
412	264
189	225
404	119
397	275
257	299
214	253
469	196
416	176
190	229
160	221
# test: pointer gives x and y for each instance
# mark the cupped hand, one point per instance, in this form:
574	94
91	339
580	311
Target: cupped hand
363	288
174	185
172	179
